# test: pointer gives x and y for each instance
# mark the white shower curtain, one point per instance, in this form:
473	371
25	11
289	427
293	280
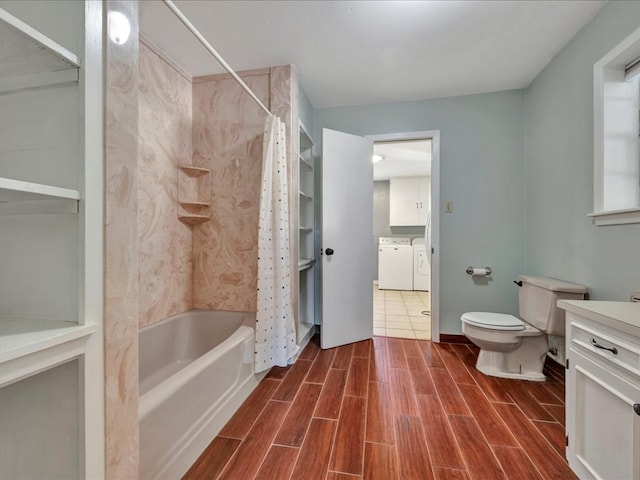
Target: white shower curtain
275	328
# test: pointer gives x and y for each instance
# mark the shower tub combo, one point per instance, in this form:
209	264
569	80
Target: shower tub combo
195	370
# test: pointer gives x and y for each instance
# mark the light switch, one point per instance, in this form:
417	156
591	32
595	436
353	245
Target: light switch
448	206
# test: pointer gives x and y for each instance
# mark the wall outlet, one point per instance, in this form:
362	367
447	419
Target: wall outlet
448	206
635	297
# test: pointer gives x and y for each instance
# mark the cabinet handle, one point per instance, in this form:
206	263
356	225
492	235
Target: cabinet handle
613	350
416	204
636	408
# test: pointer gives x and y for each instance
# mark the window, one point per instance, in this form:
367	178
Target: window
617	134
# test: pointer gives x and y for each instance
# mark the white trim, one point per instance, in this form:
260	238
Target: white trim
92	239
616	217
434	135
613	64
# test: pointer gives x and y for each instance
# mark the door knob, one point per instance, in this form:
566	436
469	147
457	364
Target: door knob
329	251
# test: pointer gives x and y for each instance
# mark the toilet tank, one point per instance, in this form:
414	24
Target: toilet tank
538	298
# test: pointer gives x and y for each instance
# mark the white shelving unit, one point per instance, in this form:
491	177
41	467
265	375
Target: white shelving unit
306	259
51	241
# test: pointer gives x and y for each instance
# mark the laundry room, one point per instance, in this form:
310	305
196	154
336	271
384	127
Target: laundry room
401	230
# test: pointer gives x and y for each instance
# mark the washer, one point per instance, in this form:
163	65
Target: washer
421	266
395	263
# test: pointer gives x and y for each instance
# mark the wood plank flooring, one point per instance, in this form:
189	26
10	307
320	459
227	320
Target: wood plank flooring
391	408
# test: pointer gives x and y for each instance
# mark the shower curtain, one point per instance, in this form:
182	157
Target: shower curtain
275	327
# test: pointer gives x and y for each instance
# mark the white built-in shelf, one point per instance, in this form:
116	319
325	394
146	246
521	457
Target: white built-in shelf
305	196
193	220
304	329
20	197
29	346
305	166
305	264
194	171
18	191
29	59
305	139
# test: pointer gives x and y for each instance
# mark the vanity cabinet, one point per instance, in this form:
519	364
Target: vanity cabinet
603	389
409	200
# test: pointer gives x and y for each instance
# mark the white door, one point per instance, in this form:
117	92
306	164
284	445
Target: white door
347	239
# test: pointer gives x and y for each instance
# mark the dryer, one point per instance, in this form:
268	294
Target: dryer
421	266
395	263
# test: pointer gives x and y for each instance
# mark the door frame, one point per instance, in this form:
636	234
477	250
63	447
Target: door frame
434	136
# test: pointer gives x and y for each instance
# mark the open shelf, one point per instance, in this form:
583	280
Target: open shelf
194	210
18	197
305	196
22	336
194	171
195	205
29	59
193	220
305	139
304	329
29	346
305	264
18	191
305	166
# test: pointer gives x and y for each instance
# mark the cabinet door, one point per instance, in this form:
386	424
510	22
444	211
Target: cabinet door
404	202
602	426
424	199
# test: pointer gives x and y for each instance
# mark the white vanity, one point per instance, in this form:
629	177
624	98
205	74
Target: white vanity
603	388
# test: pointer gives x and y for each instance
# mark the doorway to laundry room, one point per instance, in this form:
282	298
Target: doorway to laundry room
402	203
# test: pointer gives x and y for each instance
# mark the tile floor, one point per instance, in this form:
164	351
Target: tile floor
399	314
392	409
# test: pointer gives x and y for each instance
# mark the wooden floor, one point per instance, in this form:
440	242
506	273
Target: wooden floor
392	408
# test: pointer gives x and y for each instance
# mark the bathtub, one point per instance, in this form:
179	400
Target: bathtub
195	370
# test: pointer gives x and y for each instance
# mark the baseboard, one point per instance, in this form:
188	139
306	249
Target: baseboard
454	338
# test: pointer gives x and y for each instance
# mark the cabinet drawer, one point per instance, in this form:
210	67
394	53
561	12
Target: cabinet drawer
606	346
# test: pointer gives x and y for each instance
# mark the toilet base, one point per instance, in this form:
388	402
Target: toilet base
524	363
496	372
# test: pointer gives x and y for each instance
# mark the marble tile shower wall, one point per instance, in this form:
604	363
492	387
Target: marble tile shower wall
209	122
227	138
164	141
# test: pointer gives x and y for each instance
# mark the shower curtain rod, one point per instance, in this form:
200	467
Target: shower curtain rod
213	51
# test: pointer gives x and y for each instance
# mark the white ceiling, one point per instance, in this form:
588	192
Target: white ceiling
360	52
402	159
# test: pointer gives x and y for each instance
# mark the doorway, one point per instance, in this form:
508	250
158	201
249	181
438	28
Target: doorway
405	193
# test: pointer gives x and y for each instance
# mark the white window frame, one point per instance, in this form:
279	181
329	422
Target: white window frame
611	65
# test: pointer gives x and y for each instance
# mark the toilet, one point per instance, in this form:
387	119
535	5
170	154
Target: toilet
511	347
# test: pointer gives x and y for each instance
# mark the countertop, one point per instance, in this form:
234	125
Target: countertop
623	316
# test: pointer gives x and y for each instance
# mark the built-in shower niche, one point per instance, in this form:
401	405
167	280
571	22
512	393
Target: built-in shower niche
194	195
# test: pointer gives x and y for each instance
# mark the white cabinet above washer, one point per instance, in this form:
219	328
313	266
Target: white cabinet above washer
409	201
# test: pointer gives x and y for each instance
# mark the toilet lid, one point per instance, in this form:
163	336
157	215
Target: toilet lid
494	321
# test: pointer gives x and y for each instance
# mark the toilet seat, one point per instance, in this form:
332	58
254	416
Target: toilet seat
493	321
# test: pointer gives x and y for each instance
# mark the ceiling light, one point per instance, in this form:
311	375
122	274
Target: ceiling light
119	28
375	158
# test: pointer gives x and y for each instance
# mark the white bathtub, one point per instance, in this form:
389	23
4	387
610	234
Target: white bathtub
195	370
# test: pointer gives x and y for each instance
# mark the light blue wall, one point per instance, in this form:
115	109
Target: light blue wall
481	151
561	240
